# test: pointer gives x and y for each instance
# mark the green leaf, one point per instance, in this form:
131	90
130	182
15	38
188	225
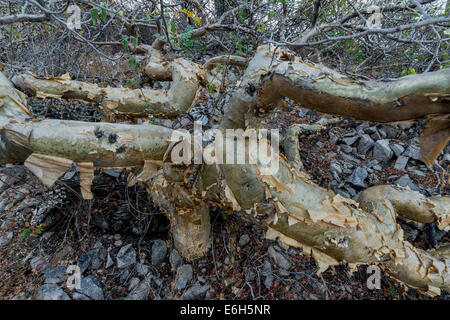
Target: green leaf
212	88
25	232
103	15
411	71
94	15
261	27
133	40
132	61
124	42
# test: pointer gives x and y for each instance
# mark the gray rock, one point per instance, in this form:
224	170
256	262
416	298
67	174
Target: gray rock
142	270
142	290
118	243
358	176
126	256
164	122
55	275
398	149
91	288
267	268
244	240
267	273
4	240
133	283
79	296
197	291
365	144
124	276
346	148
401	163
159	252
377	167
335	167
412	151
405	181
391	131
419	173
350	140
279	258
46	236
39	263
372	163
109	261
411	234
350	158
381	151
51	292
84	261
446	157
351	191
175	259
184	275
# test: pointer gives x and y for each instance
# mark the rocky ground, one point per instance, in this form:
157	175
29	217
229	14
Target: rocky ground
121	244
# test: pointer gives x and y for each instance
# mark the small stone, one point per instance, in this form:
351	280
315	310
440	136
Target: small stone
184	275
51	292
398	149
350	158
175	259
4	240
124	276
411	234
133	283
405	181
46	236
142	270
118	243
197	291
55	275
335	167
358	176
267	273
79	296
279	258
350	140
142	290
391	131
244	240
90	287
381	151
84	261
109	261
446	157
401	162
346	148
159	252
39	263
372	163
117	236
126	256
283	273
412	151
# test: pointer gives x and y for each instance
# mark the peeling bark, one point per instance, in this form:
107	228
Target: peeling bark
332	228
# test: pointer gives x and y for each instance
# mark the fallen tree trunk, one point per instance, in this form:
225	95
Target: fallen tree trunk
332	228
135	103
